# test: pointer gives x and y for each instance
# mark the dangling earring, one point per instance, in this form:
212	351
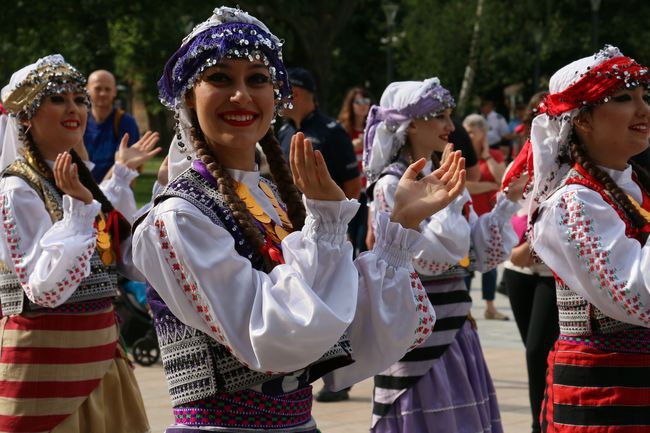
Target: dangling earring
28	128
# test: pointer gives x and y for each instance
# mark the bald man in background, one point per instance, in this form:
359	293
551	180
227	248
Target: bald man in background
106	124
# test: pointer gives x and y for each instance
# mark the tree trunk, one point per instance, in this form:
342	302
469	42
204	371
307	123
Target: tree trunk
468	77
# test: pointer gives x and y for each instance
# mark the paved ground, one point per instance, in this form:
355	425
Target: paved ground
503	350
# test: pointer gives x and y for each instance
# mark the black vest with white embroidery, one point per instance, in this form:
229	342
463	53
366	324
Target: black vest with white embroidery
100	283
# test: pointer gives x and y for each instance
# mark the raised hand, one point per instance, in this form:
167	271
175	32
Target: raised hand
416	200
515	191
66	178
141	151
310	173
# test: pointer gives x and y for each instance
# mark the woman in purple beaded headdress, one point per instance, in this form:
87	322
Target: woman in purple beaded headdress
255	294
443	385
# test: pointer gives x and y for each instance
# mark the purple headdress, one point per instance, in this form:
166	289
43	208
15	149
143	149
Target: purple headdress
386	126
228	34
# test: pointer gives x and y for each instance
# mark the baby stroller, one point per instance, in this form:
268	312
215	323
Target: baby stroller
136	328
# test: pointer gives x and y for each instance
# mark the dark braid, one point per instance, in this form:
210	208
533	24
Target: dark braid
226	186
282	177
35	155
642	175
579	155
85	178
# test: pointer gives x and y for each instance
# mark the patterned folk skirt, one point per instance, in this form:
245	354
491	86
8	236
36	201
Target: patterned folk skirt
593	390
66	373
455	395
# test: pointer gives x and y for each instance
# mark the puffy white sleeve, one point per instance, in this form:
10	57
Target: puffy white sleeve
118	190
125	266
393	311
281	321
50	260
446	231
582	239
492	234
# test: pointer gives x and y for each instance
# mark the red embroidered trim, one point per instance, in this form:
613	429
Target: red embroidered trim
426	320
593	184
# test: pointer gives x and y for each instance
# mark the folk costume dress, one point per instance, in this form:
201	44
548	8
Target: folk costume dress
599	370
60	360
444	384
240	346
61	368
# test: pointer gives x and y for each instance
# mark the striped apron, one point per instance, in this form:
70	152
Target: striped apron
50	363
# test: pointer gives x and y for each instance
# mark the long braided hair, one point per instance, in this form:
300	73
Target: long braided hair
579	154
85	177
226	186
289	193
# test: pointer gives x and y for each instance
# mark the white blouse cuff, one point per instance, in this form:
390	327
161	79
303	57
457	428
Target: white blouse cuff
123	174
78	214
394	243
505	208
328	220
456	206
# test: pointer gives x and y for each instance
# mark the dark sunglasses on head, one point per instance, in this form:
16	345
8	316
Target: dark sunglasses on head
362	101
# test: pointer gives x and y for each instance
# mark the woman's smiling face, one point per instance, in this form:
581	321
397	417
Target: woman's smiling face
234	102
59	123
616	130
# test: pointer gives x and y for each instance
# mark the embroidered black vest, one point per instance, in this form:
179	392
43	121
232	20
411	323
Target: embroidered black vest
196	365
100	283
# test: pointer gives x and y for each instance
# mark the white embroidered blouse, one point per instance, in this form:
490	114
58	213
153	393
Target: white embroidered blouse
52	259
582	239
285	320
450	233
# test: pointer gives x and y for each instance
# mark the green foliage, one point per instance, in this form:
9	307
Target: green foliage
438	35
342	41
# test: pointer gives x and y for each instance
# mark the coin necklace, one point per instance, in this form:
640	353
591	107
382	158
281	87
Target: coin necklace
104	244
274	233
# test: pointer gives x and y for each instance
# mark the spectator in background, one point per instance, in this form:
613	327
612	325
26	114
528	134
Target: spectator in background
106	124
498	136
353	119
483	194
325	133
461	141
516	127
